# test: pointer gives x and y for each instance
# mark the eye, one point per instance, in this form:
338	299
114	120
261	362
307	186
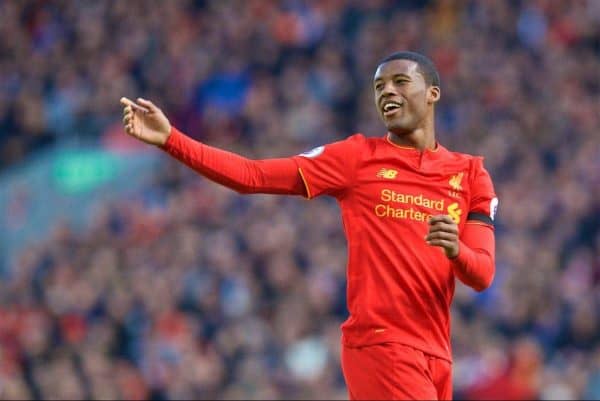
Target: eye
378	86
400	81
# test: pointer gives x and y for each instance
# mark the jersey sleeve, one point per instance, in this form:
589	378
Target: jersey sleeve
330	169
474	264
246	176
484	202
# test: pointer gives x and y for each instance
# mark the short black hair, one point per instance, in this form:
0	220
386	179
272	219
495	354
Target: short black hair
426	66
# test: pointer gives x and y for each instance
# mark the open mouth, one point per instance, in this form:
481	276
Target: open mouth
390	108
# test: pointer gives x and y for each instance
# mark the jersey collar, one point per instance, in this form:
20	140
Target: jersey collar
438	150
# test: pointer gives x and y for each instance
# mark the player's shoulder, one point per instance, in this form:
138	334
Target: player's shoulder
472	165
344	146
455	155
475	162
350	140
363	142
360	142
358	138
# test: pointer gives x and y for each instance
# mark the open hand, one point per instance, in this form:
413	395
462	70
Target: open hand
443	232
144	121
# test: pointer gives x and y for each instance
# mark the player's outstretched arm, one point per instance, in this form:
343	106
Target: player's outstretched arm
146	122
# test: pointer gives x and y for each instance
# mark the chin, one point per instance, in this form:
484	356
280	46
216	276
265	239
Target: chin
399	129
394	124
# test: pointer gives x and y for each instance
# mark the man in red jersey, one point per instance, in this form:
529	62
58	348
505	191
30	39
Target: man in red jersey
415	214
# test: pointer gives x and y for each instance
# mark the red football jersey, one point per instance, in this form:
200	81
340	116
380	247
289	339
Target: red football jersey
399	288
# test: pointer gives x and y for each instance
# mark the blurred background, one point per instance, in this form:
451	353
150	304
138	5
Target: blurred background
125	275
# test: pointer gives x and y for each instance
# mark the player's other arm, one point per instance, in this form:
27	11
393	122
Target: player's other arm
471	255
475	264
146	122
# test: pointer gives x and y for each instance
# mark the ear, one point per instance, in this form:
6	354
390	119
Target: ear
433	94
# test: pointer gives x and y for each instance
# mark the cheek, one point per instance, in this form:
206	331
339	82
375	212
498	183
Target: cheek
418	104
376	106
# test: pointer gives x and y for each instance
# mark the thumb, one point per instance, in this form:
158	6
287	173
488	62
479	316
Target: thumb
147	103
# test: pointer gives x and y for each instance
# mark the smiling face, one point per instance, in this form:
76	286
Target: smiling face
403	98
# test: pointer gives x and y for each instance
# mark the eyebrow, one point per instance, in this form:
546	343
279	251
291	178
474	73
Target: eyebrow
402	75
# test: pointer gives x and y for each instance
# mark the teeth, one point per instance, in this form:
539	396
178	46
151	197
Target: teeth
390	106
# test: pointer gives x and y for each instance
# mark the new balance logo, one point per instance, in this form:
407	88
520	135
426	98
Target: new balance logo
388	173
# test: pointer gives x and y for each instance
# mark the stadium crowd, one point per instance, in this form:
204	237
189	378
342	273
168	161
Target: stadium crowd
191	291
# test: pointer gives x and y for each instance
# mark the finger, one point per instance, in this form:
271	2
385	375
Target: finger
125	101
129	129
441	235
441	243
451	228
133	106
128	120
137	107
147	104
441	218
128	111
128	116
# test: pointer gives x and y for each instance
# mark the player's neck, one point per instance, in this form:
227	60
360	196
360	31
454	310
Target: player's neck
420	139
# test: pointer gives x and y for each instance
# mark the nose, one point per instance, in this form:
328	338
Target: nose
388	89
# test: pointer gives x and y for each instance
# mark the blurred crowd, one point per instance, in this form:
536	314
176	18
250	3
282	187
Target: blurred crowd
191	291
